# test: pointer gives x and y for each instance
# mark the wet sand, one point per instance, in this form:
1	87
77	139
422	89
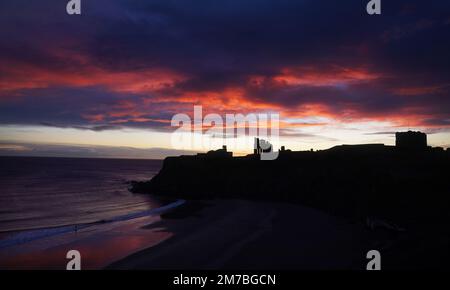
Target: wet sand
236	234
99	245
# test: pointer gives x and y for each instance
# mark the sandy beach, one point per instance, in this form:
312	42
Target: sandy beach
204	235
236	234
99	246
232	235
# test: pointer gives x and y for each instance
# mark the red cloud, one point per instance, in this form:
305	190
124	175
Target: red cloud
162	90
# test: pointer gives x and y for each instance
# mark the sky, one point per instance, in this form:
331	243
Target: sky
108	82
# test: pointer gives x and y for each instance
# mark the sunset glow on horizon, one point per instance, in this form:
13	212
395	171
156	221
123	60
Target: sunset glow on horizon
115	76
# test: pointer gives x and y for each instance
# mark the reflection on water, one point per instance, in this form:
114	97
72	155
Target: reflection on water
49	192
98	245
44	198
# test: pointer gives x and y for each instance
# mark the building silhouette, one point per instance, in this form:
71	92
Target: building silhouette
411	140
219	153
262	146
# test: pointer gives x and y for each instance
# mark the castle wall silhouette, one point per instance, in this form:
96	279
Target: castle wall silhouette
411	140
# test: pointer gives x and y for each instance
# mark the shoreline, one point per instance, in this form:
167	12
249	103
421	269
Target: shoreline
100	243
202	234
259	235
228	235
15	237
249	235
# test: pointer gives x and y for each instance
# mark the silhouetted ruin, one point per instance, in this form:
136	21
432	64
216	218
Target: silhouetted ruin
262	146
220	153
355	181
411	140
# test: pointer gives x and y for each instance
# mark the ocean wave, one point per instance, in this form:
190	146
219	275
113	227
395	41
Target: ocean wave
32	235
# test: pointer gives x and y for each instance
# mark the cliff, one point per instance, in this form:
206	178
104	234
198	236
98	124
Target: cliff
353	181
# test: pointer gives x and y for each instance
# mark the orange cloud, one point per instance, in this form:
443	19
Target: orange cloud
312	76
21	76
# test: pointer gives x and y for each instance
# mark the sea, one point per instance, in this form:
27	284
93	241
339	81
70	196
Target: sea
43	194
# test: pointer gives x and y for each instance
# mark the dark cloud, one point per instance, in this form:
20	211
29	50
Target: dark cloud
217	45
98	128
